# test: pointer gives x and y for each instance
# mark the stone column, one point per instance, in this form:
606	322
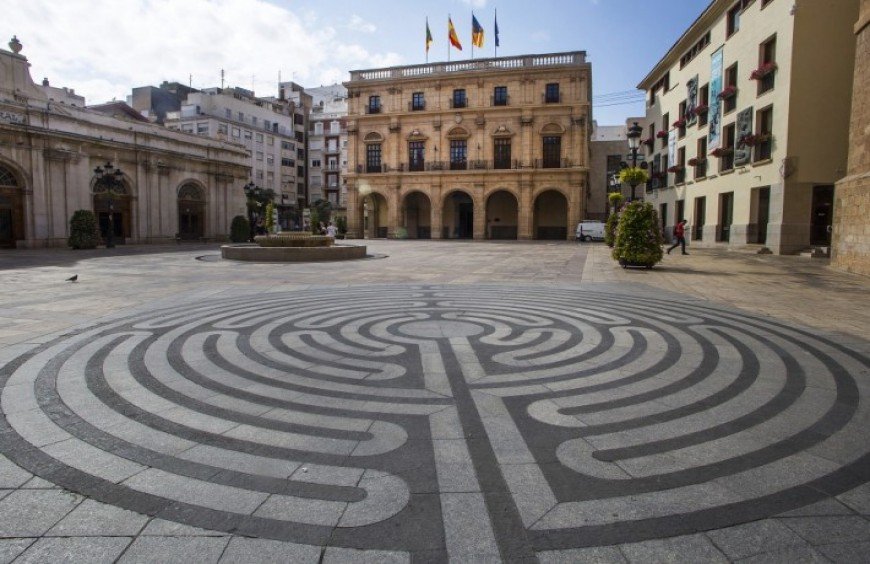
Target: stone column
525	211
479	224
850	242
354	212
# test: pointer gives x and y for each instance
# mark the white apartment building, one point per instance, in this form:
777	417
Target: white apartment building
747	123
264	126
327	145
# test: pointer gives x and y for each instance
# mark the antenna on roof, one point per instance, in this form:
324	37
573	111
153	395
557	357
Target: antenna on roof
222	79
190	80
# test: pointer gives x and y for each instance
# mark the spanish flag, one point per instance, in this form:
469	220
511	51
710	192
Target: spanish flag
451	34
476	32
428	36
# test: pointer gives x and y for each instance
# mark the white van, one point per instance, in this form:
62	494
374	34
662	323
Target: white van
590	230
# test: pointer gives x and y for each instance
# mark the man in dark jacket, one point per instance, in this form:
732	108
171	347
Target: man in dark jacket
680	236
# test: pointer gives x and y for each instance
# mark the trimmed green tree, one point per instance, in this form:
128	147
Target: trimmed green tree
83	232
638	236
270	218
240	229
615	199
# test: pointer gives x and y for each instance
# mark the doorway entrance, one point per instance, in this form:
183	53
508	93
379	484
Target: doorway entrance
700	217
11	209
191	212
458	216
823	215
760	216
726	216
551	216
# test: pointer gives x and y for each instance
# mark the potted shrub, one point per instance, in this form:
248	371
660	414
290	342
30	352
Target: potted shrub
638	236
240	229
763	71
728	92
700	109
676	168
615	199
662	134
633	176
648	142
680	123
695	161
83	232
721	151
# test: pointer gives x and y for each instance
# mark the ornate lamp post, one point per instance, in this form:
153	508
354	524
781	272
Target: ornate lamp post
633	135
110	179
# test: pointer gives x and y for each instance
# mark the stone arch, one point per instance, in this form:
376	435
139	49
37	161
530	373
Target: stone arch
502	214
417	214
457	214
376	213
552	129
11	206
191	210
550	215
373	137
118	204
458	132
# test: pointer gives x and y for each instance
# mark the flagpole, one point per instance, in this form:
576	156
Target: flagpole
472	35
495	30
427	40
448	37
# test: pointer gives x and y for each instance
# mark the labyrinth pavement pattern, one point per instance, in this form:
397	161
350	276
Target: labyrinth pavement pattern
443	420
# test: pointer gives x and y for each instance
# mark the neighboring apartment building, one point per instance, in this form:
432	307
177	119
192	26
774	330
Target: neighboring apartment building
264	126
327	145
609	152
490	148
747	122
301	100
170	184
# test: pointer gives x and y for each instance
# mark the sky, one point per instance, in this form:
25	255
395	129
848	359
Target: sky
104	48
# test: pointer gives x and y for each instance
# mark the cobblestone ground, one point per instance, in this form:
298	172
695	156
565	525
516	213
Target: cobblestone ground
464	401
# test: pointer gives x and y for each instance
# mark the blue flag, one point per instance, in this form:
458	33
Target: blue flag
496	29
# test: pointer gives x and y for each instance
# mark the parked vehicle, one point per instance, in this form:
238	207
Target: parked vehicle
590	230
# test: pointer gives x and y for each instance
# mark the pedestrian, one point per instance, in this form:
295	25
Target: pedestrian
680	236
330	230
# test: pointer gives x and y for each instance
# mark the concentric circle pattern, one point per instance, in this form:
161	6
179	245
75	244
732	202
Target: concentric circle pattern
455	420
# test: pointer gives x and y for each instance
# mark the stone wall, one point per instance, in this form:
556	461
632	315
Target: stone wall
851	238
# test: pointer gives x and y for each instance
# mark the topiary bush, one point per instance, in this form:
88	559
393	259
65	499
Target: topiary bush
240	229
638	236
610	228
83	232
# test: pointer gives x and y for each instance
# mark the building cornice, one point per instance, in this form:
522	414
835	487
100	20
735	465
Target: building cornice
701	24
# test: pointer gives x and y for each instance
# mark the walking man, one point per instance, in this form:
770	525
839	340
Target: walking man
680	236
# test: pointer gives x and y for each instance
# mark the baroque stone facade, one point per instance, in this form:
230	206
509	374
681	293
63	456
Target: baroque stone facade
484	149
851	240
173	184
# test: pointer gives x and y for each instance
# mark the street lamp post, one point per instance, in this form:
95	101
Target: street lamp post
633	135
109	178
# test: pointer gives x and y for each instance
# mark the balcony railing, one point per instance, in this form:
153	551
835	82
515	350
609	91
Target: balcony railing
373	109
454	104
553	98
458	166
552	163
416	106
500	100
371	169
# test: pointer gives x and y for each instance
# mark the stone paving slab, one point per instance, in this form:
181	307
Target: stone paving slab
465	401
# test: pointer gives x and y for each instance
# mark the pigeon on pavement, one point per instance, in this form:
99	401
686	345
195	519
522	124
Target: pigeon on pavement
73	278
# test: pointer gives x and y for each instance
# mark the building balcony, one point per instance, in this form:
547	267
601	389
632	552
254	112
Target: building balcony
499	100
457	104
466	166
416	106
373	109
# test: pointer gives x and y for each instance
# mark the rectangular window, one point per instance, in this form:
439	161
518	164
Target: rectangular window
733	20
726	161
259	138
222	128
502	153
237	132
270	140
551	93
300	170
254	120
680	174
259	175
270	159
259	155
459	100
298	119
458	154
764	134
299	136
766	66
202	128
704	104
229	113
288	162
418	102
267	125
681	128
666	124
500	96
416	152
374	106
247	135
701	162
373	157
287	145
241	116
730	102
552	152
315	163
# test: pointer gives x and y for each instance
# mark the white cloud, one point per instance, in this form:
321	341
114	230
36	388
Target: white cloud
358	24
540	36
475	3
103	48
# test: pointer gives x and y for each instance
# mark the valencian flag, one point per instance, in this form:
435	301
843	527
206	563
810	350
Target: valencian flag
451	34
428	36
476	32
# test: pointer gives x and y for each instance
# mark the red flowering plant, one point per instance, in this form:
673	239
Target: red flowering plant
662	134
700	109
695	161
762	71
721	151
680	123
754	139
648	142
728	92
676	168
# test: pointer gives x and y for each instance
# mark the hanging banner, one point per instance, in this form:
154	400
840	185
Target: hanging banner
672	147
715	133
742	150
691	100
